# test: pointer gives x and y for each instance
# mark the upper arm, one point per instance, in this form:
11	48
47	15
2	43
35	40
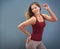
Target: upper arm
27	22
49	18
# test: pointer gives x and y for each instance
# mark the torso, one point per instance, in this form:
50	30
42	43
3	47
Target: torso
38	28
39	18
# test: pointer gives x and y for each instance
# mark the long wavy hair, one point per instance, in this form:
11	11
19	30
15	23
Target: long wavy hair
29	13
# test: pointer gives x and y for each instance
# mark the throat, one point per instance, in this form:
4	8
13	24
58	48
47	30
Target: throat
37	15
40	19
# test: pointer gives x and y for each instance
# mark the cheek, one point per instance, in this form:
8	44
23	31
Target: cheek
32	10
39	9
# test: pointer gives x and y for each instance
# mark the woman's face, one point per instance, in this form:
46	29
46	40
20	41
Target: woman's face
35	9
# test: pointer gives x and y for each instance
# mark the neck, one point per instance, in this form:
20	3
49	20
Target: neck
37	15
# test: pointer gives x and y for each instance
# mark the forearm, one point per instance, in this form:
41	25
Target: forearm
52	14
25	31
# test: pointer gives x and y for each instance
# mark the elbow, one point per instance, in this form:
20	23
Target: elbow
55	20
20	27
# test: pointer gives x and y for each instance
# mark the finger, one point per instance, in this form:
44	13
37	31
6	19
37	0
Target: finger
26	41
45	4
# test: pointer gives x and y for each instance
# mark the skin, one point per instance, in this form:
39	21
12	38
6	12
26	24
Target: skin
32	20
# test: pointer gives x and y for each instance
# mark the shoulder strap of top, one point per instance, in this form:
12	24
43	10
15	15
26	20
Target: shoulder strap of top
42	16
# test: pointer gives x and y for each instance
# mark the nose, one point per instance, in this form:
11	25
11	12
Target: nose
34	9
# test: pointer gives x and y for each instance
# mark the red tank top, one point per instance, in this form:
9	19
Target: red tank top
37	30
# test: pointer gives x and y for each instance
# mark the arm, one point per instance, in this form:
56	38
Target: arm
24	24
52	16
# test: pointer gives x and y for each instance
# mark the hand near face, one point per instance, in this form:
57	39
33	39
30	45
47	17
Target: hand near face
46	6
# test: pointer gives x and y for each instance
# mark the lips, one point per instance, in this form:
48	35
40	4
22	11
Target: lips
35	11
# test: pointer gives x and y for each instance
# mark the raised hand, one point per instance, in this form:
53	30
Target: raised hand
46	6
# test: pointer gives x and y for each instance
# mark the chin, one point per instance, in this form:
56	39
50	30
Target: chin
36	13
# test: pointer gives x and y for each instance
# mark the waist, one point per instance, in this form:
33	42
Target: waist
36	37
36	41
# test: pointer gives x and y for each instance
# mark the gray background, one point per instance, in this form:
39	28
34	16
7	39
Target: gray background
12	13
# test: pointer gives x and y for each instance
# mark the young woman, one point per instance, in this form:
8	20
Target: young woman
37	20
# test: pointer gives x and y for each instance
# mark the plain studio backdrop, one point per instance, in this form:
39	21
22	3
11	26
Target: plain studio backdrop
12	13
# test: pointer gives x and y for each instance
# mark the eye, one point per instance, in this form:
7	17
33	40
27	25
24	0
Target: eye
35	7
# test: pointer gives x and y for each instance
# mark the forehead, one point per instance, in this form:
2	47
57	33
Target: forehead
33	6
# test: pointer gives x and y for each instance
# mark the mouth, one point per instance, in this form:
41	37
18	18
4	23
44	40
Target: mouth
35	11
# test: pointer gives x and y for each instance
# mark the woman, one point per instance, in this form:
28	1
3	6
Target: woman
37	20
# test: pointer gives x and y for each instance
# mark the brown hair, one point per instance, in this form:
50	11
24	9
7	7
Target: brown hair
29	13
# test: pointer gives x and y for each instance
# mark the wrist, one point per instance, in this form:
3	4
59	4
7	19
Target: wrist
28	34
48	9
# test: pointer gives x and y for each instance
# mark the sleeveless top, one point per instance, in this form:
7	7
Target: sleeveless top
37	30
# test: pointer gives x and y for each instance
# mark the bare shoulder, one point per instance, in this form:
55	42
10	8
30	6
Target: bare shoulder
28	22
32	19
49	18
45	15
